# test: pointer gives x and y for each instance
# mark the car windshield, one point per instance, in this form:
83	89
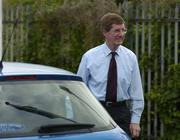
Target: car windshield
35	107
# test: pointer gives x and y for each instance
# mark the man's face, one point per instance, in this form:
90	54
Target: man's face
115	36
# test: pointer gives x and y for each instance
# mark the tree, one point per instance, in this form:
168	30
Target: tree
66	32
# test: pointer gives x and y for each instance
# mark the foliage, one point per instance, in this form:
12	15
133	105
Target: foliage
167	97
17	2
53	3
61	31
163	97
65	33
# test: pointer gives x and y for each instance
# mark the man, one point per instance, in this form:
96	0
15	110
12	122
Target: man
116	84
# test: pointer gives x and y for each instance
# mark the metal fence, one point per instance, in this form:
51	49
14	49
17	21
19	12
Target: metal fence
150	29
153	29
15	31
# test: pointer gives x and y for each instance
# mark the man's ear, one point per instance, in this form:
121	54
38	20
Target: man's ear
104	32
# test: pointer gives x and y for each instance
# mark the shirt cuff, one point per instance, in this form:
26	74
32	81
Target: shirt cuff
135	119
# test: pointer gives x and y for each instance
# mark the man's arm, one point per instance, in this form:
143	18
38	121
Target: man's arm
137	100
83	70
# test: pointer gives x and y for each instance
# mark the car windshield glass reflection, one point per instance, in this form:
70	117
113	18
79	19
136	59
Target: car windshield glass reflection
33	104
66	89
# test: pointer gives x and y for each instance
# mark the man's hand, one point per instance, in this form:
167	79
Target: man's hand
135	130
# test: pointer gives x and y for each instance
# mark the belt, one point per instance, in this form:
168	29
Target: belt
114	104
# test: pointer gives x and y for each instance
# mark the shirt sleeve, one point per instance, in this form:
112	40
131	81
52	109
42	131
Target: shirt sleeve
83	70
136	94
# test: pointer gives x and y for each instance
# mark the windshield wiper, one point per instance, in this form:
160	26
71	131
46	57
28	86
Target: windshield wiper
64	127
33	110
38	111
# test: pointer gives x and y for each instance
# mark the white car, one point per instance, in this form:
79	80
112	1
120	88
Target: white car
42	102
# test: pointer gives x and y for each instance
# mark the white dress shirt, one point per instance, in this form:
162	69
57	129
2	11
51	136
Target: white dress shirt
94	70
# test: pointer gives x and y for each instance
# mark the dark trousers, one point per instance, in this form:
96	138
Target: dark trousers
121	115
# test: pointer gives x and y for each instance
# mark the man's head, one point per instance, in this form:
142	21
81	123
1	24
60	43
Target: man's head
113	29
110	18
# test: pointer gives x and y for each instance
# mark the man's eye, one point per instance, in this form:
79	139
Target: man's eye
124	30
121	31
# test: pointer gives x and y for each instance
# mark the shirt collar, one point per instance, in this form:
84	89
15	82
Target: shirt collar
107	51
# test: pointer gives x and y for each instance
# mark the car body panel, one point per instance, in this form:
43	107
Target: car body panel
16	68
36	70
102	135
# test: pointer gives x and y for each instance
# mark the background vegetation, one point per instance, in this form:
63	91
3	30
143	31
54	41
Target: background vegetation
60	31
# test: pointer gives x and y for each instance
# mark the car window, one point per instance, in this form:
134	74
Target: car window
25	106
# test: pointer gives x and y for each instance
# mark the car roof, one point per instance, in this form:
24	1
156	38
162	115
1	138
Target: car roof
37	70
18	68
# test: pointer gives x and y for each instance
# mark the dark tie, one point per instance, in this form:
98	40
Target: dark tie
111	89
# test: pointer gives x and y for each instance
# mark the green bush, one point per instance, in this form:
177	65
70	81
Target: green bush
59	34
167	98
60	37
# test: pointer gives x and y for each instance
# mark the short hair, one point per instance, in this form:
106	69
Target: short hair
108	19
